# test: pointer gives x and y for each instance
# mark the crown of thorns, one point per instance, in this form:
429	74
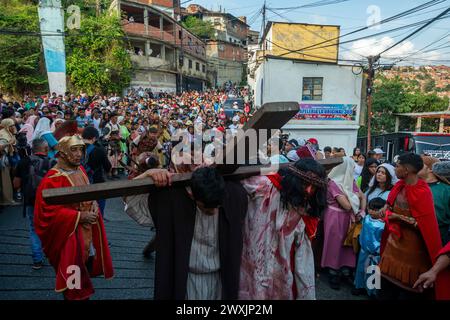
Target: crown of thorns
308	177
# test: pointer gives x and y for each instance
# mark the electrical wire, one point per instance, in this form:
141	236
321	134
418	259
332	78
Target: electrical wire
312	5
389	19
443	13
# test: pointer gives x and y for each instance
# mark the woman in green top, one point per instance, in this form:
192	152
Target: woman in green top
125	134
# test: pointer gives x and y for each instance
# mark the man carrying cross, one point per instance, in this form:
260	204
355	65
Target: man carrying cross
199	236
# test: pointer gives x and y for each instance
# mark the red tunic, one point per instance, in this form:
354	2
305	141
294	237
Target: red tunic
63	238
420	202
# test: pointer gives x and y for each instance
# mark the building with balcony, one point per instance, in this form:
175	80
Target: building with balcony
226	62
166	56
226	51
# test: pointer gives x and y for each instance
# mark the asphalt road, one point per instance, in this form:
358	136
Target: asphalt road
134	275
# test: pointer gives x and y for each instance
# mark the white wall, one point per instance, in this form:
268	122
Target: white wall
282	81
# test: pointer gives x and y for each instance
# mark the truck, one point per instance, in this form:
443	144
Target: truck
393	144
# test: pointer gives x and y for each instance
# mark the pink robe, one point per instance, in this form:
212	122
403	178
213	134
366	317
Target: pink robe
277	258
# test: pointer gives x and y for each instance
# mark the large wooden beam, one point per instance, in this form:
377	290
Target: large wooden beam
130	187
271	116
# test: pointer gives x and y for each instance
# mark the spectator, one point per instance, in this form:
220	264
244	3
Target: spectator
327	152
44	131
7	151
96	162
378	154
346	204
83	120
368	171
359	166
356	153
29	174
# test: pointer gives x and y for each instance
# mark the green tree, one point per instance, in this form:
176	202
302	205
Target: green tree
202	29
97	60
391	96
429	86
21	59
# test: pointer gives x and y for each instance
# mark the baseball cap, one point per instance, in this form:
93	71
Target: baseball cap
378	151
313	141
293	142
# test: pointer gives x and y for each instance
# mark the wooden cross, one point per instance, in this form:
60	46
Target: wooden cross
269	116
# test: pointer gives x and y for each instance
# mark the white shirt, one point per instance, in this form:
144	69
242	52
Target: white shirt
358	170
204	281
233	129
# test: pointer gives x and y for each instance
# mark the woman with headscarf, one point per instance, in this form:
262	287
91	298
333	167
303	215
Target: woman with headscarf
56	124
7	143
28	128
44	131
372	228
346	204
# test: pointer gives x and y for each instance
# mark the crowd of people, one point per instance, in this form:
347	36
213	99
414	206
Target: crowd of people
263	237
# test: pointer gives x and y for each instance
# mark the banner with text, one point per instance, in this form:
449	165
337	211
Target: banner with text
327	112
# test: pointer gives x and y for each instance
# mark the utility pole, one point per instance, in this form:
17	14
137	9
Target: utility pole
264	27
181	60
97	7
370	78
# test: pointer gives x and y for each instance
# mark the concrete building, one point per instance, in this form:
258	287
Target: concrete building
252	37
166	56
226	62
329	94
226	53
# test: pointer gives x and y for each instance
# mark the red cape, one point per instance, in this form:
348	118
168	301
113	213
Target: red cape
62	241
420	201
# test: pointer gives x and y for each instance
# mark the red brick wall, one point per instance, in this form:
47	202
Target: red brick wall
229	52
162	3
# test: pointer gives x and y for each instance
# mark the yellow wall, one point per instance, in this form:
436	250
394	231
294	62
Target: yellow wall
298	36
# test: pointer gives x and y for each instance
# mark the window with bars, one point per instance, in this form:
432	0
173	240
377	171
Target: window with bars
312	89
190	64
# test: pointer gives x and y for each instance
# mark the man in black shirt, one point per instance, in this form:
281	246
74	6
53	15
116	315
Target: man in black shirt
28	175
96	163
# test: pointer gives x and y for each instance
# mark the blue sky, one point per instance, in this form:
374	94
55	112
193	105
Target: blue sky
351	14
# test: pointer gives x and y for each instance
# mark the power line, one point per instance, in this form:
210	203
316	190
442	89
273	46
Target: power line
314	47
314	56
421	50
312	5
310	31
443	13
392	18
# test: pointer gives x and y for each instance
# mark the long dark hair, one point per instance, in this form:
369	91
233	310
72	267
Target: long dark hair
377	184
366	175
293	188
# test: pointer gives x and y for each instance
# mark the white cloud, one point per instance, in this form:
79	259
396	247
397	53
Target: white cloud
317	19
373	46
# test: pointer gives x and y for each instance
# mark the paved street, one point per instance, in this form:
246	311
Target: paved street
134	275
